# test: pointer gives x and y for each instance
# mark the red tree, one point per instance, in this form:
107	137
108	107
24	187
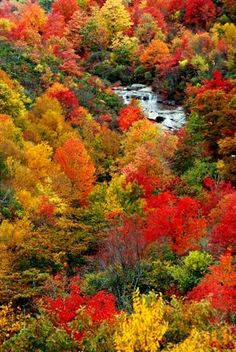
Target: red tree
65	8
175	222
219	286
98	308
223	234
55	26
200	13
128	115
125	242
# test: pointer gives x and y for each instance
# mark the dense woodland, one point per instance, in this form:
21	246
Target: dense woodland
117	235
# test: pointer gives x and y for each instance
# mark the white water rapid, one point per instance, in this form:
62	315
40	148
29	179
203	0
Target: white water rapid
170	116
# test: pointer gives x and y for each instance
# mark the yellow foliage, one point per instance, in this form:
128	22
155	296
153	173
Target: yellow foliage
6	25
28	201
38	159
114	17
192	344
226	31
11	103
14	231
10	321
46	103
144	328
52	196
205	341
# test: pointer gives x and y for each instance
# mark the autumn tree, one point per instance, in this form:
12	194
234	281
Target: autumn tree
66	8
54	26
219	286
200	13
175	222
147	152
223	225
144	328
115	17
76	164
74	27
128	115
156	52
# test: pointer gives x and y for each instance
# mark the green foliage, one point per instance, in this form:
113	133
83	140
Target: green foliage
46	4
40	335
20	67
9	206
195	175
192	268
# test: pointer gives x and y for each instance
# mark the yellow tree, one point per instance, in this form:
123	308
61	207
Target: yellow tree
114	16
147	150
144	328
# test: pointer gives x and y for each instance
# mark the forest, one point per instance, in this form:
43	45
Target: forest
116	233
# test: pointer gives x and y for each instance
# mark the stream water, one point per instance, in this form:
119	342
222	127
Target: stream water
169	115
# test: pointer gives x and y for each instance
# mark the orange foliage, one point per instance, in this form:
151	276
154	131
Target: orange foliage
128	115
155	53
76	164
55	26
65	8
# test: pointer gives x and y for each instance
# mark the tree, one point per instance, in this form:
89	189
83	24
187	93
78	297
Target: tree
74	28
115	17
147	152
76	164
80	315
143	330
66	8
175	222
11	103
156	52
128	115
200	13
223	223
219	286
55	26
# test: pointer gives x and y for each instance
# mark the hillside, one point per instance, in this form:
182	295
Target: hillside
117	233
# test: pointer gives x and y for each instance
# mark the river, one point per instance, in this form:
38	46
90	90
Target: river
172	117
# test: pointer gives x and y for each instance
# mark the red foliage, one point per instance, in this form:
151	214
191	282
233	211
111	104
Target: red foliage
105	118
182	52
74	113
125	242
224	225
200	13
128	115
55	26
66	8
217	83
5	9
46	209
176	5
156	13
213	193
19	32
98	308
174	221
148	183
101	307
219	286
